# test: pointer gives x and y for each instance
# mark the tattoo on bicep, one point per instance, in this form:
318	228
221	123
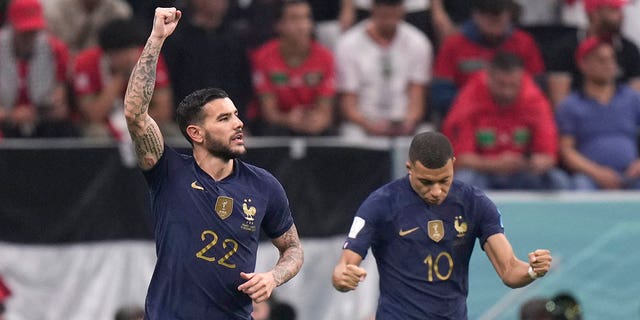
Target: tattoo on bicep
149	146
291	256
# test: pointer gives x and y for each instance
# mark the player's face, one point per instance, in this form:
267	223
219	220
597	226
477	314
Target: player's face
432	185
223	136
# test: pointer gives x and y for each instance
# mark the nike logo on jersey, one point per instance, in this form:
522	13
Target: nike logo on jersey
196	186
403	233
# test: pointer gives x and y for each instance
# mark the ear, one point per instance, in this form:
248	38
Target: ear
195	133
408	165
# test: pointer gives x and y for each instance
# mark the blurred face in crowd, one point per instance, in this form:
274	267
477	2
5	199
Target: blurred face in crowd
504	85
213	9
24	43
432	185
600	65
122	61
607	20
493	26
386	18
296	23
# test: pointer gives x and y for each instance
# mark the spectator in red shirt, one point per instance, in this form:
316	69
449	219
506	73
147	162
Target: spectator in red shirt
100	78
5	293
461	55
33	69
503	130
294	78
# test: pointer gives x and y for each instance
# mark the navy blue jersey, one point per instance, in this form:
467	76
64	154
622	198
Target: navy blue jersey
422	251
207	232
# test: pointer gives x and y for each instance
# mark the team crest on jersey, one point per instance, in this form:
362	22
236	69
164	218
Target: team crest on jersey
249	213
312	79
460	226
224	207
436	230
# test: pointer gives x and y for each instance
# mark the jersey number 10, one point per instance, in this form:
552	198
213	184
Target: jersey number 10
432	266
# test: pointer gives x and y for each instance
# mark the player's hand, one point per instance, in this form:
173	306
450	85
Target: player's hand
540	261
258	285
633	171
165	22
346	277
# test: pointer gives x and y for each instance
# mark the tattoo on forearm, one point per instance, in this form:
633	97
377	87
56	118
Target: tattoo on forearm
142	81
291	257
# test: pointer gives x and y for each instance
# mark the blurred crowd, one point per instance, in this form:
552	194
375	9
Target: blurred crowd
534	95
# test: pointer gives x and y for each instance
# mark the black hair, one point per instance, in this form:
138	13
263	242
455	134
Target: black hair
506	61
493	7
190	108
432	149
388	2
284	4
120	34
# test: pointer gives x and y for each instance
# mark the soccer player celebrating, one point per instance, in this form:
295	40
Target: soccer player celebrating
208	208
422	230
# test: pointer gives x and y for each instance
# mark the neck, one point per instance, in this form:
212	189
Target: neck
294	52
215	167
600	91
382	38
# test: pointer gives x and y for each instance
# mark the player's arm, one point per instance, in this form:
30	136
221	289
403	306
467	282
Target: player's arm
513	271
260	285
347	274
144	131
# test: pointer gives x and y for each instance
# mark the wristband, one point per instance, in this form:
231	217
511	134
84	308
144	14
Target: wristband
532	274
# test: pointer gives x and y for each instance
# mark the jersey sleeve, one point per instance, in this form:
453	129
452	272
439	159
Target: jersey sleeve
365	224
261	81
348	80
327	87
490	221
565	120
159	173
445	63
421	61
277	219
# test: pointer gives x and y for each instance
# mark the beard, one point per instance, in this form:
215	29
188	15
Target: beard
220	150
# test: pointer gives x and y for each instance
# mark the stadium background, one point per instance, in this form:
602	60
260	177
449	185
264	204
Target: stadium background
75	241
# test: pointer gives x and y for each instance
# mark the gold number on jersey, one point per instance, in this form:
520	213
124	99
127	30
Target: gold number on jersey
223	261
432	266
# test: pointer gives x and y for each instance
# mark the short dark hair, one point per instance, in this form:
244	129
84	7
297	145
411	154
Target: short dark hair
190	108
388	2
493	7
432	149
506	61
120	34
284	4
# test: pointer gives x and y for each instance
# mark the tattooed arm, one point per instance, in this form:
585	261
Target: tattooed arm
260	285
143	129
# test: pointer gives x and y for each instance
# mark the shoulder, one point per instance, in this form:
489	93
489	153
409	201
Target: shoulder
470	196
88	57
353	36
255	174
58	46
266	50
320	50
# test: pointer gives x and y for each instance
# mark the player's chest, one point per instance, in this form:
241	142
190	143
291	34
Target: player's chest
423	227
234	206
